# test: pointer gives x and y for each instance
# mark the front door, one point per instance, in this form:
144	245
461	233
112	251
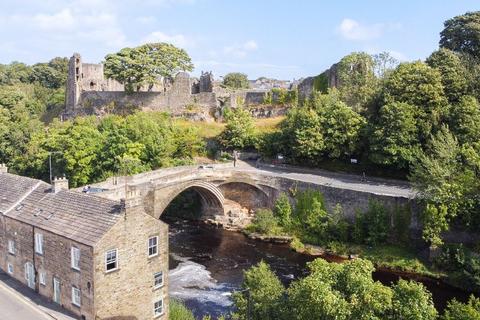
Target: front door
56	290
30	275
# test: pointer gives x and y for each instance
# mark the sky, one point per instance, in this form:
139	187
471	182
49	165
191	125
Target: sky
273	38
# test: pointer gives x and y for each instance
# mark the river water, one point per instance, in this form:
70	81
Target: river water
206	266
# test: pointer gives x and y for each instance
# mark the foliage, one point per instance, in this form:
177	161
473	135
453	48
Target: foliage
265	291
383	64
145	64
464	120
356	76
411	301
324	127
421	86
462	264
460	311
283	211
178	311
236	80
373	226
265	223
394	137
320	83
452	71
239	132
462	34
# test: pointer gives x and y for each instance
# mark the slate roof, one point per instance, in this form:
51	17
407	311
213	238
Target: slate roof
81	217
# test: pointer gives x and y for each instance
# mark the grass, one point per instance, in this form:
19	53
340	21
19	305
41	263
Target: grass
212	129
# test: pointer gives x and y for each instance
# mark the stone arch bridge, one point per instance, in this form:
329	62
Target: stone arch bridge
229	195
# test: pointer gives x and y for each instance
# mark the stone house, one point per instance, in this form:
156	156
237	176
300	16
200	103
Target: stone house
97	258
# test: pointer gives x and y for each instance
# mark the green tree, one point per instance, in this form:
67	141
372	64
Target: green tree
464	120
283	211
357	79
311	216
462	34
412	301
265	290
394	139
239	132
421	86
435	221
372	226
463	311
453	73
146	64
236	80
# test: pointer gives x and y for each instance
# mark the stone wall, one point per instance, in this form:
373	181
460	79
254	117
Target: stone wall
128	292
55	262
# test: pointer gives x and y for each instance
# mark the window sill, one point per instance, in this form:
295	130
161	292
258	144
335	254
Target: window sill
159	315
112	270
158	286
77	269
11	253
76	305
153	256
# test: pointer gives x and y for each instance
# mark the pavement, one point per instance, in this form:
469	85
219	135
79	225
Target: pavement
18	302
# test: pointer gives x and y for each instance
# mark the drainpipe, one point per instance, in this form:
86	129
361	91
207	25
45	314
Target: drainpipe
35	273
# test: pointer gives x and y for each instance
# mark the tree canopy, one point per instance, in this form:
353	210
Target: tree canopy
236	80
462	34
146	65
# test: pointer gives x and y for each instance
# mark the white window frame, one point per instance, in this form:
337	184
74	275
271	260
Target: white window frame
76	297
107	261
10	268
75	254
39	243
155	285
152	247
158	311
42	277
11	246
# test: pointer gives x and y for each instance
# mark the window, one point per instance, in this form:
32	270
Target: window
76	299
10	268
158	279
11	246
75	254
42	277
111	260
158	308
39	243
153	246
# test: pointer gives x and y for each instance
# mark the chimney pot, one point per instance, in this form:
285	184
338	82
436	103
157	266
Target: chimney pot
59	183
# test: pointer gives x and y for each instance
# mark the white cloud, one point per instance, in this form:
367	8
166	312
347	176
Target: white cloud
241	50
351	29
178	40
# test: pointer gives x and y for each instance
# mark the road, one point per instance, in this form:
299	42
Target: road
14	307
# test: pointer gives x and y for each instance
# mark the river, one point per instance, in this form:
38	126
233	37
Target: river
207	264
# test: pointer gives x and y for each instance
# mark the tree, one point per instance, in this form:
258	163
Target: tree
265	291
462	34
239	133
452	71
394	136
146	65
463	311
435	221
178	311
383	64
412	301
236	80
357	79
283	211
421	86
311	216
464	120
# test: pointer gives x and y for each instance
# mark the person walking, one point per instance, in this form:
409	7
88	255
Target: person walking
235	157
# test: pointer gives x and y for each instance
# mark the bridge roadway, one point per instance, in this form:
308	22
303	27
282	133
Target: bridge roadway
379	186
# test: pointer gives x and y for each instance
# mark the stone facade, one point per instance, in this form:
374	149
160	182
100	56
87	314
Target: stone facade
76	224
129	292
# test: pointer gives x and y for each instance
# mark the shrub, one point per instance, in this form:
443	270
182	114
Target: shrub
373	226
265	223
178	311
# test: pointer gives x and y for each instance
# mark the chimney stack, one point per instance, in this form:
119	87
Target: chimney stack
3	168
59	183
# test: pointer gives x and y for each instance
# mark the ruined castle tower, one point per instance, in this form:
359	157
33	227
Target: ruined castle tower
206	82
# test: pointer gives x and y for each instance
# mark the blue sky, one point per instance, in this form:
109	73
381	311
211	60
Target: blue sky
281	39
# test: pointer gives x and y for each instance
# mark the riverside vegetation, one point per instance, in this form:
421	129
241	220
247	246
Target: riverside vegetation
417	120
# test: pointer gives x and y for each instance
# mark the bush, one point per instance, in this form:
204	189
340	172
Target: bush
265	223
283	211
178	311
373	226
460	311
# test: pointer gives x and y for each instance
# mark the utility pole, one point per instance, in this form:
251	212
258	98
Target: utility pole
50	164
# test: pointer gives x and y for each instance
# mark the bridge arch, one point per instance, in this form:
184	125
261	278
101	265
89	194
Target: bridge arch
211	197
245	193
